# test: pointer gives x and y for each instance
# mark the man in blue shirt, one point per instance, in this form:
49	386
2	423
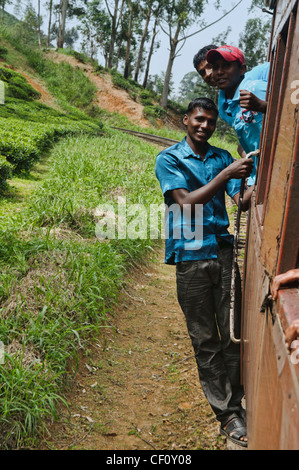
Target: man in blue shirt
195	175
205	70
248	100
241	98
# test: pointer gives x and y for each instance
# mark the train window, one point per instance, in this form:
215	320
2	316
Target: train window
289	244
277	185
280	56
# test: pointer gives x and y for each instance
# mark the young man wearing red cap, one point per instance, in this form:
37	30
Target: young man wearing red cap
205	69
242	97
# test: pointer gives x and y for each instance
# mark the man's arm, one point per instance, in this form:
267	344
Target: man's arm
282	279
291	276
238	169
251	102
292	333
241	151
246	198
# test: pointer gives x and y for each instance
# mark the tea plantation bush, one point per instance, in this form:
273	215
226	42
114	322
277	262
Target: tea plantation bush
5	171
28	127
17	86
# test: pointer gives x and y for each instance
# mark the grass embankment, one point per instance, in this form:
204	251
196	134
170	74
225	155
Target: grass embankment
28	127
58	281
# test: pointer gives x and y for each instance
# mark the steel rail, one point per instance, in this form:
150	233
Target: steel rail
163	141
235	257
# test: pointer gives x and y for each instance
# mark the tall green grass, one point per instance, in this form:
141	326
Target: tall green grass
59	283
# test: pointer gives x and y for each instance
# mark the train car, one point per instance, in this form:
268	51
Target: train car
270	373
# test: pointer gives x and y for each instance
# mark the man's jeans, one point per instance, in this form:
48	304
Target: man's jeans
203	289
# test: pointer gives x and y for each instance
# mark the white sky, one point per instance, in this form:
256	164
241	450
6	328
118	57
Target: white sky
184	63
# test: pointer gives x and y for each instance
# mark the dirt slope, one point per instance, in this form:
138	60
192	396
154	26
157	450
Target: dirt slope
108	97
46	98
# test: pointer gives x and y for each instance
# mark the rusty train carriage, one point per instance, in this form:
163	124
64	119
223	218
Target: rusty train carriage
270	375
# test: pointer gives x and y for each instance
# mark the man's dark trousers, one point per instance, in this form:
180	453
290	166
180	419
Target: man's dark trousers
203	289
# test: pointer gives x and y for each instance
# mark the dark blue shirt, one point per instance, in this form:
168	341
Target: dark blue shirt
247	124
179	167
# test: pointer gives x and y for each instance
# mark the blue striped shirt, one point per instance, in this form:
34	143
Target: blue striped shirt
247	124
179	167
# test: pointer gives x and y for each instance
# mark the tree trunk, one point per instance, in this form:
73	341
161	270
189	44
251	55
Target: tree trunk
38	25
113	35
91	52
142	42
155	32
129	39
49	24
2	12
61	31
106	57
114	17
173	45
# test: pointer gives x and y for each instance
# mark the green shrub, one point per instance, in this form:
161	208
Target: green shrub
5	171
29	127
120	81
5	74
22	141
79	56
99	68
3	52
17	85
147	102
154	111
145	94
132	87
176	107
34	58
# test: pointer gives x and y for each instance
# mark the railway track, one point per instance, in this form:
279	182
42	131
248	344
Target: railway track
156	139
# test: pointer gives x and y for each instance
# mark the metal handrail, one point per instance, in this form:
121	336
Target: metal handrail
235	258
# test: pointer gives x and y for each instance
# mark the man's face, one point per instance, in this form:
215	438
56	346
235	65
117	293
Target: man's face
205	70
201	124
227	75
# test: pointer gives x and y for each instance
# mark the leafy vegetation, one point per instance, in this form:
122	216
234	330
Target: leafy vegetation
58	281
17	86
3	52
28	127
5	172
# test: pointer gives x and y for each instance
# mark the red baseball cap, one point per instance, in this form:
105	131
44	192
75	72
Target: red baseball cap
229	53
